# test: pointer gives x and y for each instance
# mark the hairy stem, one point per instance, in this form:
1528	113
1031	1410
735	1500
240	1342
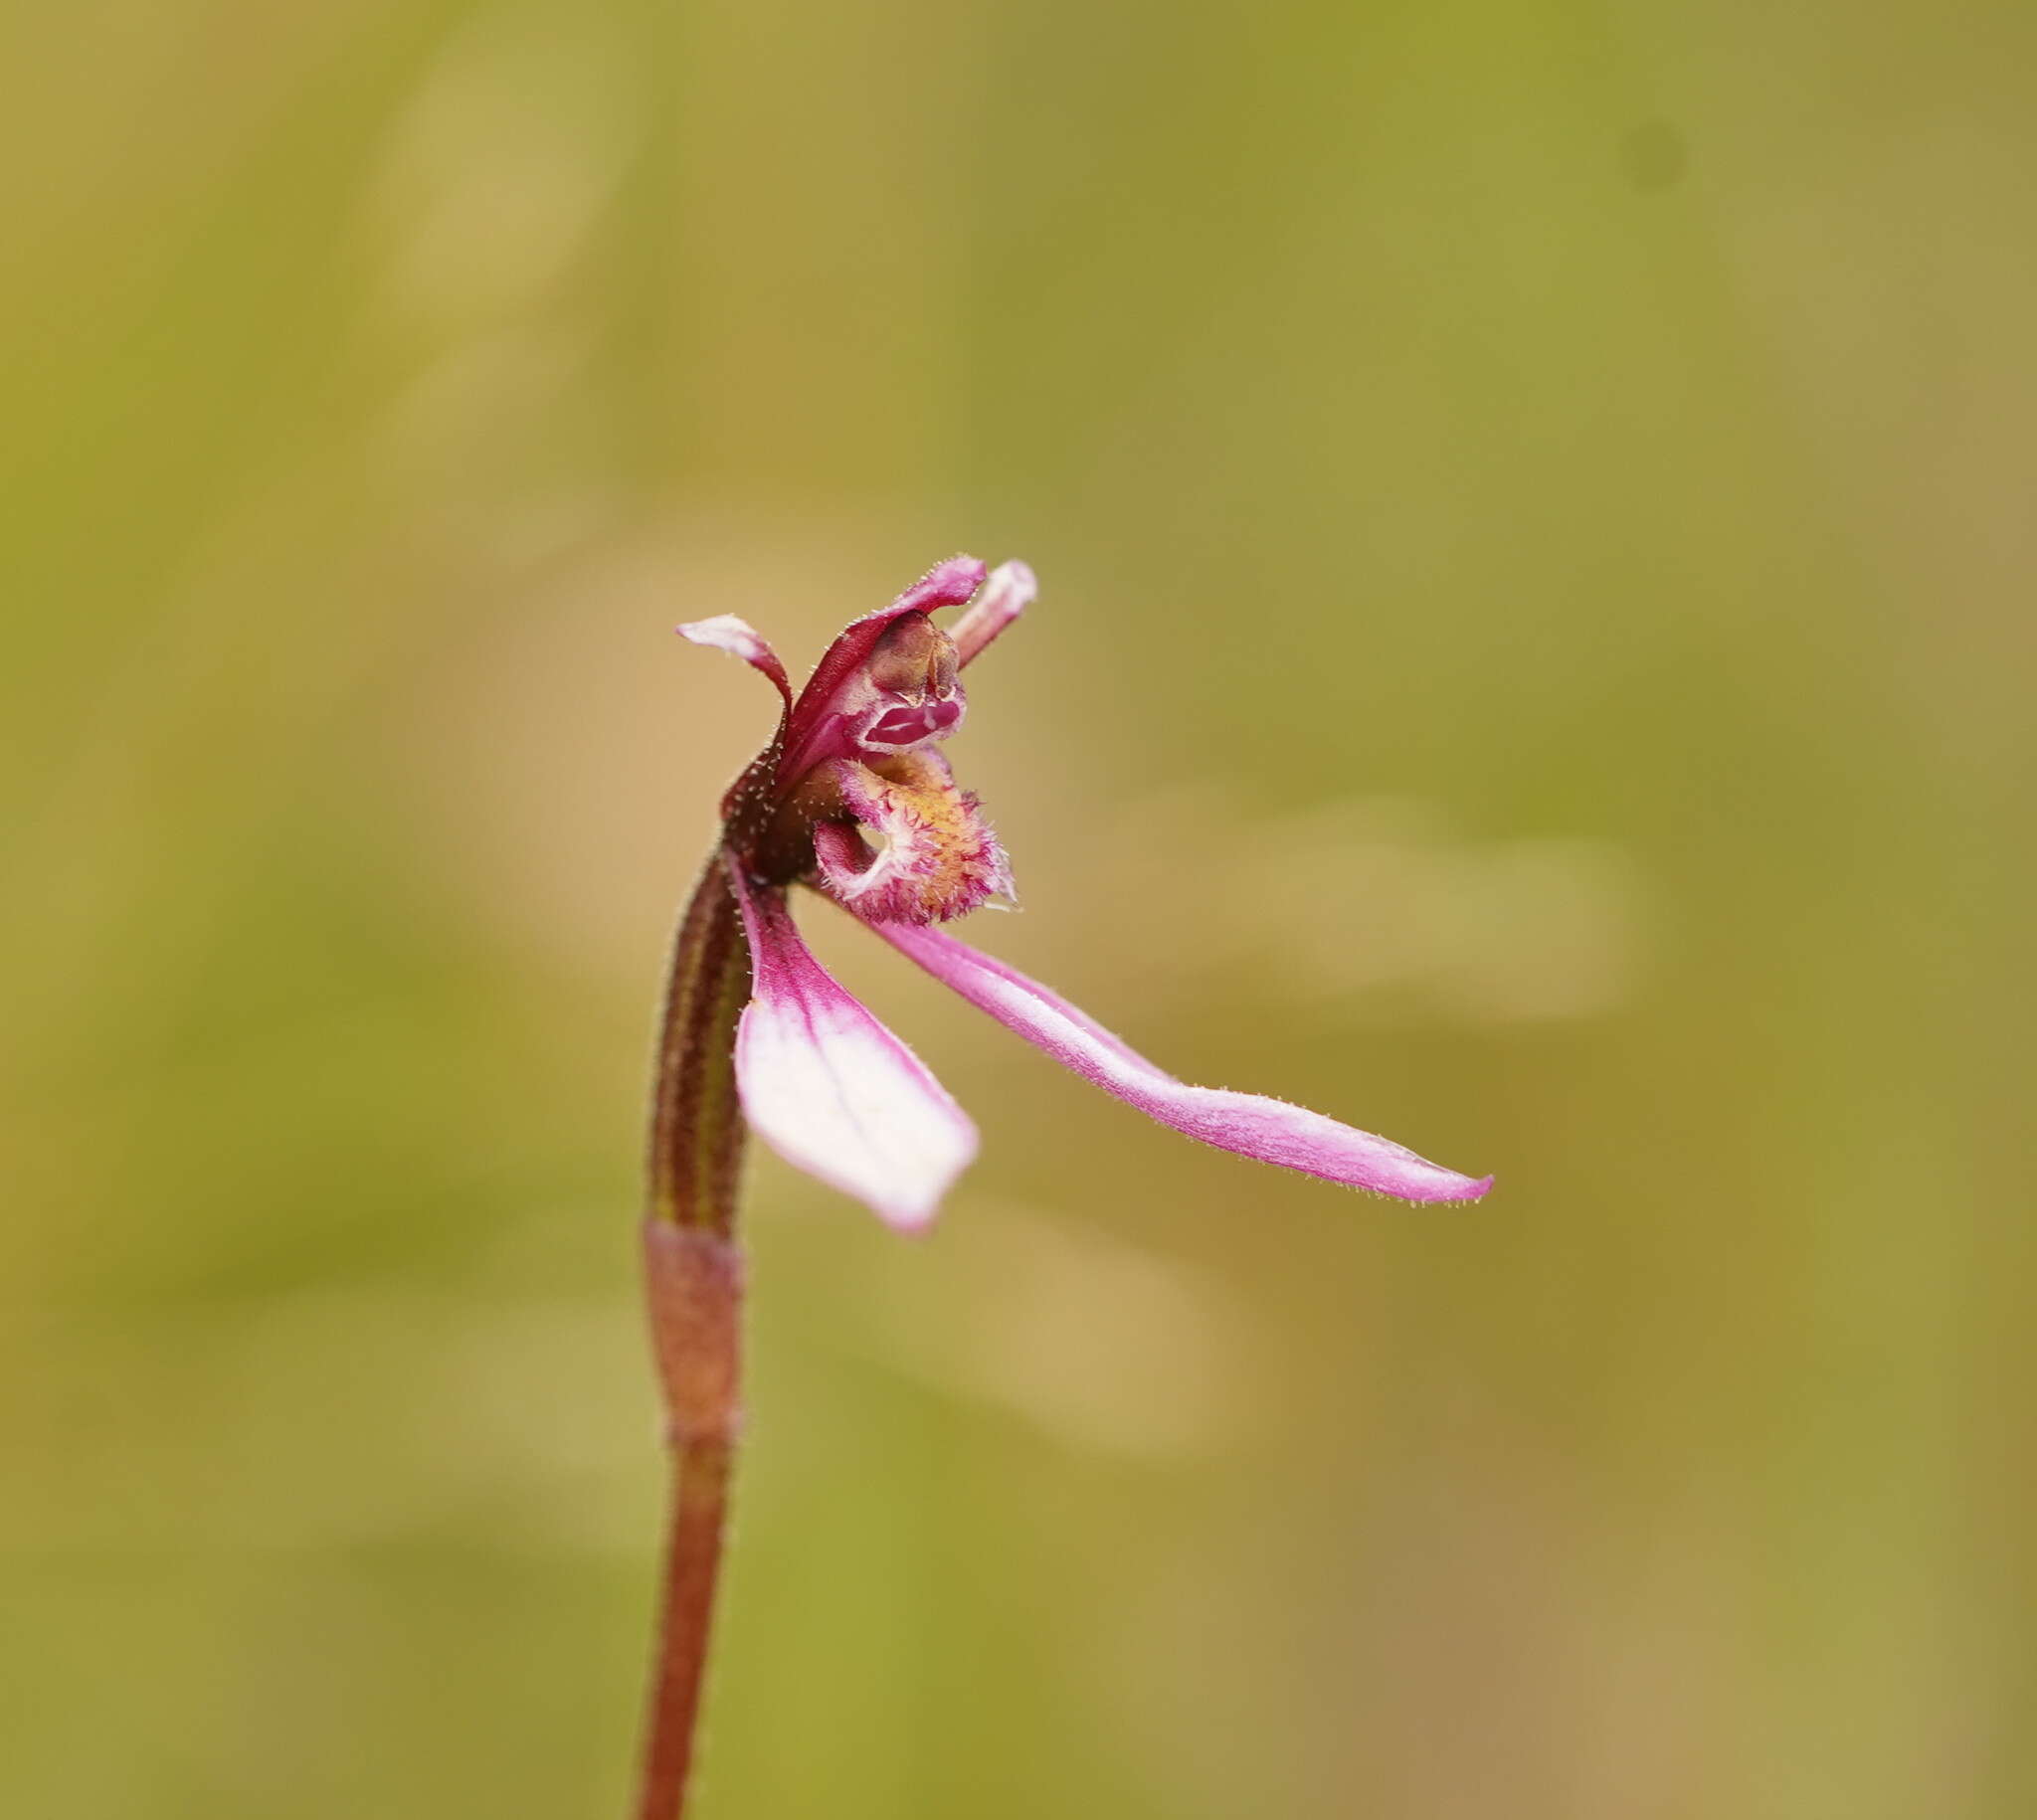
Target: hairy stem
696	1128
692	1276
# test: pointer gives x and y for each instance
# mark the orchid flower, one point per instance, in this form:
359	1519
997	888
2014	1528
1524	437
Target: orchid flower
855	800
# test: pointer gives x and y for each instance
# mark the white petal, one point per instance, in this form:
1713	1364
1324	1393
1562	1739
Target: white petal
833	1091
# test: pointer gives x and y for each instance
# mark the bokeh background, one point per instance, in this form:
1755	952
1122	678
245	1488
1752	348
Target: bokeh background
1535	513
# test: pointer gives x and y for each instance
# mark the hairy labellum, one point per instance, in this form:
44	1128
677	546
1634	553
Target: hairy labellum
910	847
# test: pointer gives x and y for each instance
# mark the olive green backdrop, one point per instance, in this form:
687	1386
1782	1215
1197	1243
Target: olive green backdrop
1534	515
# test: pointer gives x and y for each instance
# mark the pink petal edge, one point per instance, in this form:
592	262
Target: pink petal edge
833	1091
1248	1123
724	632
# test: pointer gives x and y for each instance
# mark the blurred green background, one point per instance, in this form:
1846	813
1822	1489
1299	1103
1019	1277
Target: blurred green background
1534	506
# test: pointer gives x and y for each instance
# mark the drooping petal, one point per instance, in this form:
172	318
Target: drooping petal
833	1091
724	632
1248	1123
947	584
1007	593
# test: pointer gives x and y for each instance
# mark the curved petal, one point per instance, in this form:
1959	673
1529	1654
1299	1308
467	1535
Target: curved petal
724	632
1007	593
833	1091
1248	1123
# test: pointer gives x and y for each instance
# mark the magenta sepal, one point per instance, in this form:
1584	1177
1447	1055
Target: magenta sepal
833	1091
809	726
1273	1131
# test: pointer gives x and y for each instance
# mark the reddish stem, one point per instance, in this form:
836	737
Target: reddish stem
693	1295
693	1563
696	1127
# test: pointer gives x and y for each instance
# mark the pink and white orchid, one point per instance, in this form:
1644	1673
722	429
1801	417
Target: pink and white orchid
855	800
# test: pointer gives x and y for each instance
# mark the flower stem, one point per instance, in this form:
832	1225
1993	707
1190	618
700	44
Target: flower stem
692	1276
696	1127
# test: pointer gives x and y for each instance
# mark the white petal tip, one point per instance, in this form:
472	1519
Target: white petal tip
908	1223
1007	592
1458	1194
725	631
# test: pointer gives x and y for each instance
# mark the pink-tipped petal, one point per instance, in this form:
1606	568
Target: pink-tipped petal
1248	1123
833	1091
724	632
1007	593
